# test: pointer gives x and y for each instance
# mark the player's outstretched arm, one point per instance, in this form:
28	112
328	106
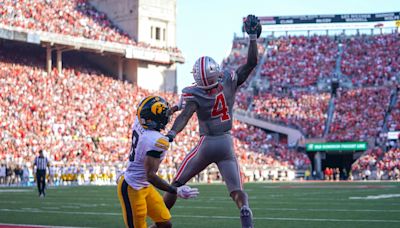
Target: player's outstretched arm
181	121
253	28
151	165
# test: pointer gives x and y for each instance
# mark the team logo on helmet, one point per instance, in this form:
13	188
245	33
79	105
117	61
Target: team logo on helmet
152	113
158	107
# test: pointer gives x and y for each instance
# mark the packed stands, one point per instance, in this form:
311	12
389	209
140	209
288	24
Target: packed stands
81	117
304	111
377	165
394	117
238	54
371	60
359	114
73	18
364	166
238	57
299	61
389	166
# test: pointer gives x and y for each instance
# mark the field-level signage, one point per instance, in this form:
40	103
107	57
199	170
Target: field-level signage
337	146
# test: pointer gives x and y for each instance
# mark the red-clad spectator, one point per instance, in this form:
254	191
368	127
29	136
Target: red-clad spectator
76	18
371	60
304	111
359	114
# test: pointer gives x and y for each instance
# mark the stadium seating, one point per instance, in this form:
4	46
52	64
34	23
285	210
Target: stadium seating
359	114
80	116
389	166
235	59
299	61
394	117
366	162
304	111
379	165
74	18
371	60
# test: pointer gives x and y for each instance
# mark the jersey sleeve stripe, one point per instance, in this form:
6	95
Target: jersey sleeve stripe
163	141
154	153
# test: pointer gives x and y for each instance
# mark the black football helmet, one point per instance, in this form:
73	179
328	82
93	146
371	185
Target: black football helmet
152	113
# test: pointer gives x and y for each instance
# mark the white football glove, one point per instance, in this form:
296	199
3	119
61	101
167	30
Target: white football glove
186	192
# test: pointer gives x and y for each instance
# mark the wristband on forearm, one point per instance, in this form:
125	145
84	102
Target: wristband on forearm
172	133
253	36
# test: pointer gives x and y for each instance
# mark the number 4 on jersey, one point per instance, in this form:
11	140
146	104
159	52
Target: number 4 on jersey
220	108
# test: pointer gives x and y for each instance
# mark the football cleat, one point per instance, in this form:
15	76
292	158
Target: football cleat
246	217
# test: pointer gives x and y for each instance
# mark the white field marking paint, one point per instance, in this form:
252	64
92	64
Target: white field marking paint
39	226
51	208
294	219
266	196
61	212
295	209
64	203
30	209
319	202
214	217
71	207
364	186
15	190
382	196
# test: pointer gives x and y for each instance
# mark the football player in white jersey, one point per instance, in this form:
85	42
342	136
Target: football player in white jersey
136	191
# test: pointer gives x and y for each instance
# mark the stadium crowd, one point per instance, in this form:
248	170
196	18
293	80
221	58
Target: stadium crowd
377	165
238	57
371	60
393	122
359	113
76	18
81	117
299	61
305	111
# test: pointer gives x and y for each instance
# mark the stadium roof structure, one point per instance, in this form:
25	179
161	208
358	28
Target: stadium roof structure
78	43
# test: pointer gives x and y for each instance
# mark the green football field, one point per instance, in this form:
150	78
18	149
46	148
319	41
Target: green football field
307	204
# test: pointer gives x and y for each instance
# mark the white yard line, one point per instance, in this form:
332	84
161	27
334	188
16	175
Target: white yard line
213	217
15	190
39	226
381	196
297	209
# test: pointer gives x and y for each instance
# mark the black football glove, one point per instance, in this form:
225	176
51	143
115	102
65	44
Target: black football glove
171	135
252	26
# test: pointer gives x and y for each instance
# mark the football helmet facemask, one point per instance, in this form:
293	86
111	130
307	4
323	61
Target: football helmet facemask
152	113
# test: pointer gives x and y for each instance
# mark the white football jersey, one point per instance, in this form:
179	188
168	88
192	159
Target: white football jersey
143	141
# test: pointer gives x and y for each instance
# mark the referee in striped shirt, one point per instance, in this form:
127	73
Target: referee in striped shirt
41	163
